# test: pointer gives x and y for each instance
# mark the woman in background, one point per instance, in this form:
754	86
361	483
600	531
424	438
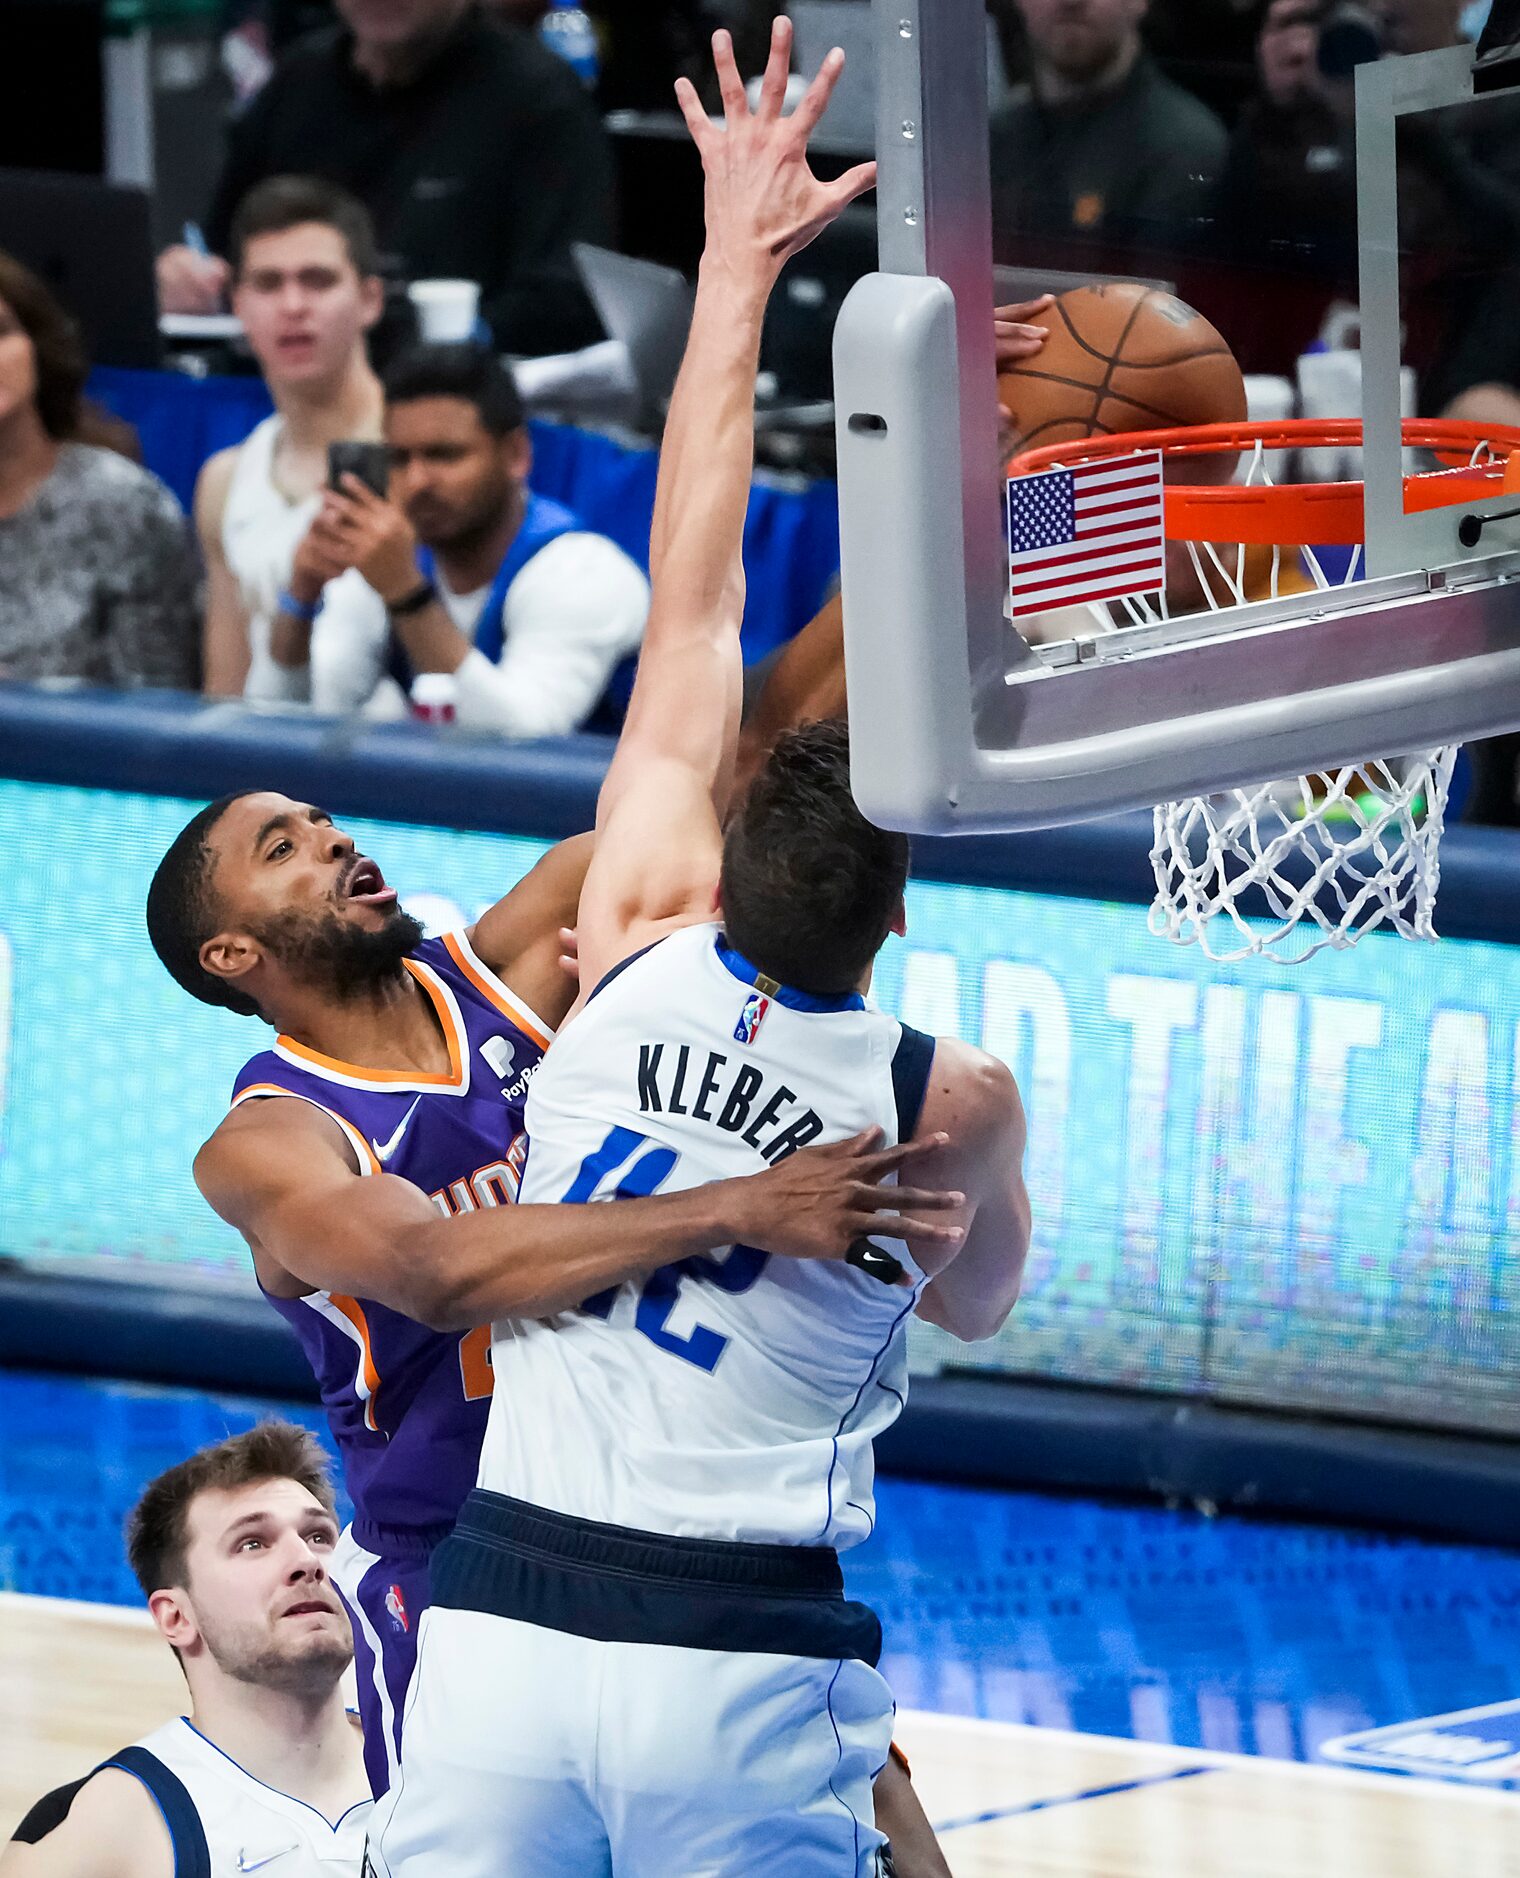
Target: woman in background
98	576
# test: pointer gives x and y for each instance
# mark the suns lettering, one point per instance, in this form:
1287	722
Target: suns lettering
495	1184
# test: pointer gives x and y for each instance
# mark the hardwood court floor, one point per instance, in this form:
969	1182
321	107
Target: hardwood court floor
1010	1801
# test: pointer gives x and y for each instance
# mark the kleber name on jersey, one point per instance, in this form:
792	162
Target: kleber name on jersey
738	1098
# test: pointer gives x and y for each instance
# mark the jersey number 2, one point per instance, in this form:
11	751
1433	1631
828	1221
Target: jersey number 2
642	1177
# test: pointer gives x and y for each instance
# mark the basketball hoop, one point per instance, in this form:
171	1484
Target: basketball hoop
1318	861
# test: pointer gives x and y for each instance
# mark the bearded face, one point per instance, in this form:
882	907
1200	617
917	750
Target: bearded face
329	953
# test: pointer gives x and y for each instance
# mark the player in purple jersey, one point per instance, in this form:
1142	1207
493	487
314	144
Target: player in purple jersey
368	1154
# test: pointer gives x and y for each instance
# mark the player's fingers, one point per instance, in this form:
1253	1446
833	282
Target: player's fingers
816	99
889	1160
866	1142
730	84
852	185
697	121
1015	344
1022	310
922	1199
777	71
909	1228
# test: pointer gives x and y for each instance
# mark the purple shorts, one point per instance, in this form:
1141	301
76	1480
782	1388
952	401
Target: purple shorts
386	1591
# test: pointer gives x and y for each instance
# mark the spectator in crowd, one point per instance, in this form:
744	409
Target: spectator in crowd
1099	144
1209	47
305	288
464	570
98	579
233	1549
477	152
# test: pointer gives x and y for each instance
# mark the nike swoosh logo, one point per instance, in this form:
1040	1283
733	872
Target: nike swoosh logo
245	1863
382	1155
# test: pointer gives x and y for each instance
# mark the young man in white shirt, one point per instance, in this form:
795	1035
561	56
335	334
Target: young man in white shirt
307	290
463	570
232	1548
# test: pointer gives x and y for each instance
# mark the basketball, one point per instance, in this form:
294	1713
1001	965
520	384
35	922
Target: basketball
1121	357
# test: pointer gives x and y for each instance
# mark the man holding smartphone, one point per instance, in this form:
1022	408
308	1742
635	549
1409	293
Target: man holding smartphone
519	612
307	291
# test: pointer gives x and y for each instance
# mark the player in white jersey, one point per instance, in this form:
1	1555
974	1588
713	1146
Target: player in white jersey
639	1662
233	1549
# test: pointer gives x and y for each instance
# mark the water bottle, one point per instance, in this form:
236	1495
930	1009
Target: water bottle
567	28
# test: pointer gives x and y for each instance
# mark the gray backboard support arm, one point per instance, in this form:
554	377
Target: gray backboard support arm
957	725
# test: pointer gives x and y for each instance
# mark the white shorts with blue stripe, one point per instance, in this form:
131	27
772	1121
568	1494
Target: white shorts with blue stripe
542	1740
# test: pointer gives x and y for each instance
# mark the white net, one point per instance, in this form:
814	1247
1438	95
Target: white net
1286	869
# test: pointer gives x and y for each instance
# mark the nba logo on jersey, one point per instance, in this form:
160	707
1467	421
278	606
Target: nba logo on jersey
396	1605
751	1018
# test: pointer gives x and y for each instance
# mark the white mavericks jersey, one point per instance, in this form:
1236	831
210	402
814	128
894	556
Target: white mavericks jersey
733	1396
224	1822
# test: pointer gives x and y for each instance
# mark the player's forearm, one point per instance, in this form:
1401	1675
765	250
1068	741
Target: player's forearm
975	1293
532	1261
707	454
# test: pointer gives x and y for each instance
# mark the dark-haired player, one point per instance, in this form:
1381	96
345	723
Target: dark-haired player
639	1660
233	1550
372	1154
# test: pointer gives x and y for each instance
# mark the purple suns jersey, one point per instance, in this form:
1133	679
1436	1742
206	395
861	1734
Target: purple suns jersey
407	1406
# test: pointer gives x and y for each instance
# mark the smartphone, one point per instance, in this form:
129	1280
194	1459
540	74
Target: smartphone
370	462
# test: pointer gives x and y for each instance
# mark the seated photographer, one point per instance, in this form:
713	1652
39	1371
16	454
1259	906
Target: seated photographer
306	290
98	579
459	569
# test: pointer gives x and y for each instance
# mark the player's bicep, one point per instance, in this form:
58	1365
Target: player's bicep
113	1829
974	1099
655	868
519	936
286	1176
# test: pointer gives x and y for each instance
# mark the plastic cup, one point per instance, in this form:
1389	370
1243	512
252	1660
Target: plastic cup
446	309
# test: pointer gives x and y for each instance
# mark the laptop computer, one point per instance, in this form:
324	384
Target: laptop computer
646	306
91	242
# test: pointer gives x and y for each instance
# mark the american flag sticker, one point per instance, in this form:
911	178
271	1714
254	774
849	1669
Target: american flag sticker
1093	532
751	1018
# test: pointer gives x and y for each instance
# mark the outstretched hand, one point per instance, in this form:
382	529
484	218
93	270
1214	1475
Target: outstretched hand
763	201
819	1202
1016	335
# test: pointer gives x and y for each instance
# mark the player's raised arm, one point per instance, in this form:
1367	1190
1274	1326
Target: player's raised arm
281	1173
658	816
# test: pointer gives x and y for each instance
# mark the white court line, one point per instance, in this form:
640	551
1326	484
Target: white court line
1215	1757
128	1617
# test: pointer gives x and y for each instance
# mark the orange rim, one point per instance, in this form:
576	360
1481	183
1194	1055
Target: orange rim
1295	514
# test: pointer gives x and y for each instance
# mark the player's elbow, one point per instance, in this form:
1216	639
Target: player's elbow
421	1281
969	1319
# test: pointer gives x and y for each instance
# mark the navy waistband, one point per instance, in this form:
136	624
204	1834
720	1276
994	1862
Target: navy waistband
618	1585
404	1542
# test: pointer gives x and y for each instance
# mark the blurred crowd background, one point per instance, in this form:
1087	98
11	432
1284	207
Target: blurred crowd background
458	236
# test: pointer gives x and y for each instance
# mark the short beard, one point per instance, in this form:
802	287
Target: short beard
312	1675
326	952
